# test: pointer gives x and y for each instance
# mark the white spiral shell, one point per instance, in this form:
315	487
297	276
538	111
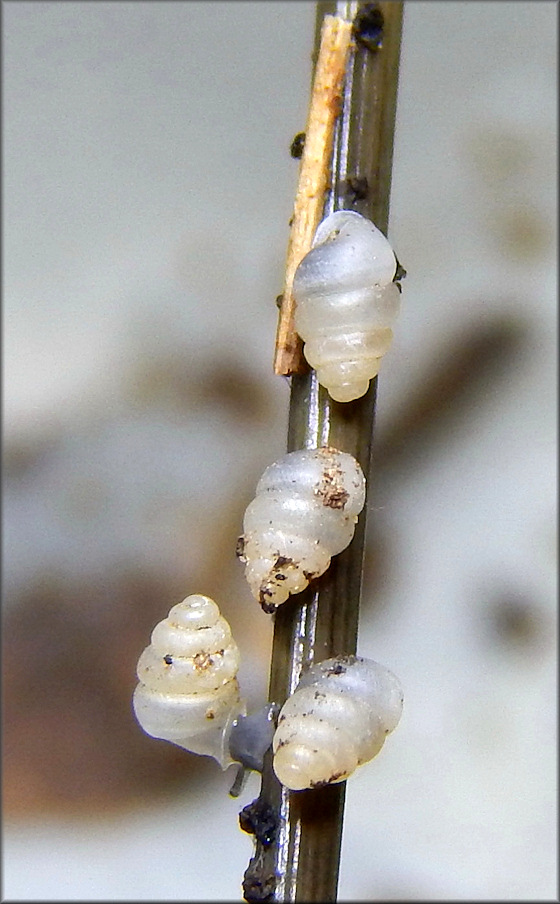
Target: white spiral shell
346	303
305	511
337	718
188	691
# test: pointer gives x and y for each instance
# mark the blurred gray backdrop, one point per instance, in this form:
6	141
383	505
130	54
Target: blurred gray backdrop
148	187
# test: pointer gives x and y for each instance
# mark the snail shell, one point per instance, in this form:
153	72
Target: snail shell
305	511
346	302
337	718
188	691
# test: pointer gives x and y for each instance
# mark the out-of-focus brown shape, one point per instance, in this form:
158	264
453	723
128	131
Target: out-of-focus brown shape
229	387
458	383
379	561
70	741
20	456
462	377
514	622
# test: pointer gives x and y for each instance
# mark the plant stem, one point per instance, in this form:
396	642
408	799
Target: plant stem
298	858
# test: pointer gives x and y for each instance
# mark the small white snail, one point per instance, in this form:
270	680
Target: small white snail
305	511
337	718
188	691
346	302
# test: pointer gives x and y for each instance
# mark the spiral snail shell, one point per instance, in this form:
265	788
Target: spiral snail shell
305	511
347	302
188	691
337	719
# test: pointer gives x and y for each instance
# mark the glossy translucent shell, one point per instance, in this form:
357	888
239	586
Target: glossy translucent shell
346	303
337	719
304	512
188	691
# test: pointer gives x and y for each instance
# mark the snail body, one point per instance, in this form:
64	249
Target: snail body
305	511
337	719
188	691
347	301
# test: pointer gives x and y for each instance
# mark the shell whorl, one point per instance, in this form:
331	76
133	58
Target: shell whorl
188	691
337	719
346	303
305	511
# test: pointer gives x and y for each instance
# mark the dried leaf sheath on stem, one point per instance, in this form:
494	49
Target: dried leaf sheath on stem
298	834
334	44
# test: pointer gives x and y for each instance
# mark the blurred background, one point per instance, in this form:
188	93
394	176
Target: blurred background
148	187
